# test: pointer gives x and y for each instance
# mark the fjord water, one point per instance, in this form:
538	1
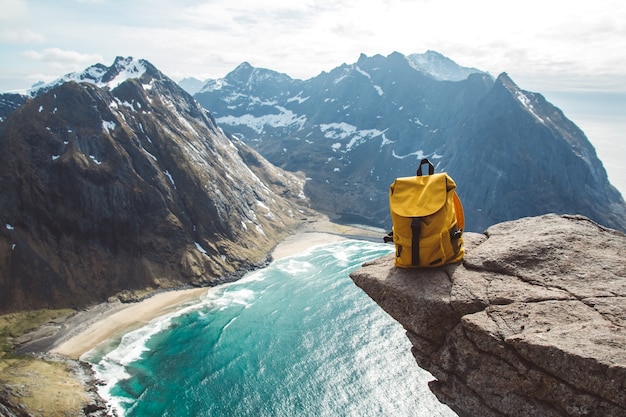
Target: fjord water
296	338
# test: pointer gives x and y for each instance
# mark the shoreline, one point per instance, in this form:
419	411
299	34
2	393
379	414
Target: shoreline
87	329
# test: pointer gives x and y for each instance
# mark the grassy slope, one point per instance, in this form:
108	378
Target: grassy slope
39	387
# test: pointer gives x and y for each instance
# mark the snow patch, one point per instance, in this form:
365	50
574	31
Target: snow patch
378	89
200	248
283	119
298	98
133	68
268	212
130	106
385	141
170	177
526	102
337	130
360	71
150	155
418	154
108	126
341	131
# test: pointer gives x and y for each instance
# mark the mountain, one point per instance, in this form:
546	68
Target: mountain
98	74
191	85
440	67
10	102
115	179
353	130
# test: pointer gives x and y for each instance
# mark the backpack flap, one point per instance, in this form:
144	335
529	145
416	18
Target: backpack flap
418	196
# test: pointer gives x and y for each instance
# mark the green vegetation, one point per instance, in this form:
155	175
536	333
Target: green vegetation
49	388
14	325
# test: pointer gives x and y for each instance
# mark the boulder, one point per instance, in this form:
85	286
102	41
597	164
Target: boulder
531	323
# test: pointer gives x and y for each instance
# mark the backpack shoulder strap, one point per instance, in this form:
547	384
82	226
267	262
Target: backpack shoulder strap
458	209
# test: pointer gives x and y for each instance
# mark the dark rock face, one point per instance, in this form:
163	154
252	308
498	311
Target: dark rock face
533	322
9	102
104	190
355	129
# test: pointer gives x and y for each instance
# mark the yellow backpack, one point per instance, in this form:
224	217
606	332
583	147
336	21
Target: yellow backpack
427	218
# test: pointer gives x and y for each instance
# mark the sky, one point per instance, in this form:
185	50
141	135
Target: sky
544	45
573	52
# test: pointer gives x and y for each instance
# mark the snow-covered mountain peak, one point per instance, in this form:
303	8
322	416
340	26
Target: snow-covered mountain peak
440	67
123	68
246	76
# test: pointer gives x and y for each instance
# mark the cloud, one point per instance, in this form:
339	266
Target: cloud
531	41
21	36
62	58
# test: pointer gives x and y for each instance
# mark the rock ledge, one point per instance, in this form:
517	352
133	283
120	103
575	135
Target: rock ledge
532	323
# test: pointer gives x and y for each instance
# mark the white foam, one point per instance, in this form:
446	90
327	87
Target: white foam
293	266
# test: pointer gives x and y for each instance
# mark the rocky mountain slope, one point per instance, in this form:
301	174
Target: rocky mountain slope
9	102
353	130
531	323
116	179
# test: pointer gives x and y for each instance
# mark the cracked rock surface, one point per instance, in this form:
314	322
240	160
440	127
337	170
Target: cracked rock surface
531	323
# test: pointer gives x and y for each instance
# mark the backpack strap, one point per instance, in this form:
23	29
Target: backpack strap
458	209
431	167
416	229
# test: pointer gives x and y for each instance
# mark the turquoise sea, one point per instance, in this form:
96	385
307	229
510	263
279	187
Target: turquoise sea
296	338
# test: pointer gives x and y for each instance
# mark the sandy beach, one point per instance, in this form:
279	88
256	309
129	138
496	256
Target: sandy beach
123	318
89	328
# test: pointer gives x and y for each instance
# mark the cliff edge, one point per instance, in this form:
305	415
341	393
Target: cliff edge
531	323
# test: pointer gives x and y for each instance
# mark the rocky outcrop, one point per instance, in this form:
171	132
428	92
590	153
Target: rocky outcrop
531	323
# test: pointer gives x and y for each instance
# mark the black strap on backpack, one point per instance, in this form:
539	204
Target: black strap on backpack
416	229
416	225
420	169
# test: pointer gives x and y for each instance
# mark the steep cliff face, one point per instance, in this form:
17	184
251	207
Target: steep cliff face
125	182
531	323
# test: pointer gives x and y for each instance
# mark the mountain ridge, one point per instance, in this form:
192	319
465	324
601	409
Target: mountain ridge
356	128
126	183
